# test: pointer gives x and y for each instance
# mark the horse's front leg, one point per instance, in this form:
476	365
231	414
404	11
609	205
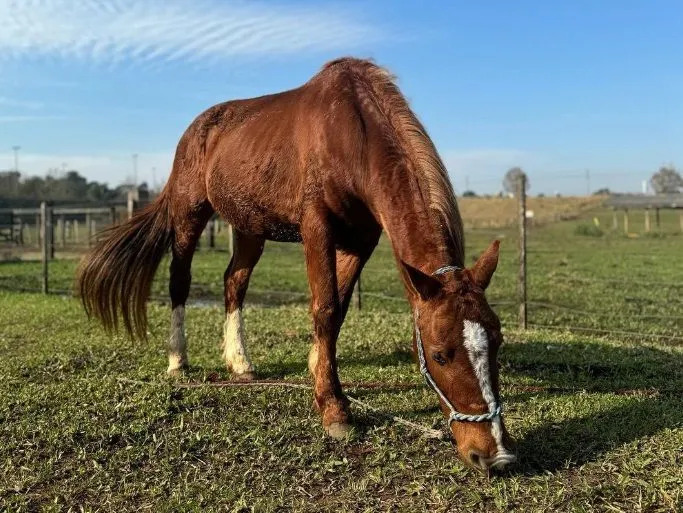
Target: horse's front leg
327	318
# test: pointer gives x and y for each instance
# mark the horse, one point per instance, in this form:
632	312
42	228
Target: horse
331	164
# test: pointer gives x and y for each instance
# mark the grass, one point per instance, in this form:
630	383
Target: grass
90	421
501	212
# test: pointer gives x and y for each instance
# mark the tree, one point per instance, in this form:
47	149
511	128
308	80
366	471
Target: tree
469	194
666	180
602	192
511	180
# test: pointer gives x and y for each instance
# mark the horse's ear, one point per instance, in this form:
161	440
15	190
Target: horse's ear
424	285
486	265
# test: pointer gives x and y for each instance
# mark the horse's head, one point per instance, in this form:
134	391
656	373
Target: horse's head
457	337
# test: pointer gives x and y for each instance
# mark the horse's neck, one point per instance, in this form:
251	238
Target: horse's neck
411	226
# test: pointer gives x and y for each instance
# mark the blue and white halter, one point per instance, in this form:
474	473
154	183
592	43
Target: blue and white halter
455	415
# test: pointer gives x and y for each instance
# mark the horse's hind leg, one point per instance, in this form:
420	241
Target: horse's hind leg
247	251
188	225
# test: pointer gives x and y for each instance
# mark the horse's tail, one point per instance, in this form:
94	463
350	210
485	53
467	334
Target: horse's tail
115	278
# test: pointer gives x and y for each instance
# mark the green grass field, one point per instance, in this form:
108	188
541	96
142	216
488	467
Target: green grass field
90	421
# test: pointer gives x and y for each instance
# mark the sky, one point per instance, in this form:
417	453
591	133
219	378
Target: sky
581	94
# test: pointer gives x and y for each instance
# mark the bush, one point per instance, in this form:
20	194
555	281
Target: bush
588	230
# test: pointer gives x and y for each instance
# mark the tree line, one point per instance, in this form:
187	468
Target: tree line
665	181
69	186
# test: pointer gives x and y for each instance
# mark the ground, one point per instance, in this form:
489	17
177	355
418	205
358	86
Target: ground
88	420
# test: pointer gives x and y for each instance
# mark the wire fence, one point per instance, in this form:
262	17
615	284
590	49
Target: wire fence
581	299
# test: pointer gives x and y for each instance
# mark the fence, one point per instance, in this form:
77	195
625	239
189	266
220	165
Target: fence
69	228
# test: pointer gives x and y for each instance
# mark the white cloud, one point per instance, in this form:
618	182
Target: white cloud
171	30
113	169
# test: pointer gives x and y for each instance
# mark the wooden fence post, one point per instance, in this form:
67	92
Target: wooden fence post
112	215
50	233
75	228
212	233
615	223
647	219
357	292
61	226
657	218
231	241
521	195
130	204
38	225
44	251
88	227
626	221
680	219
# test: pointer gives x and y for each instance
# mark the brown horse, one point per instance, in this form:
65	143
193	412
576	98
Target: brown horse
330	164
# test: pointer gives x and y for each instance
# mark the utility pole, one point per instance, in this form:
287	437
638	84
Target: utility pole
16	149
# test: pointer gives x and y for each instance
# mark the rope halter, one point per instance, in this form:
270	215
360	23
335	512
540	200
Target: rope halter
454	415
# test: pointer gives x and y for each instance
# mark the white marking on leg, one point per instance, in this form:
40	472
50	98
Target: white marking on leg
177	344
477	345
313	359
234	347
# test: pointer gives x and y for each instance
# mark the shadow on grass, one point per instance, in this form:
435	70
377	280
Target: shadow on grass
648	381
571	443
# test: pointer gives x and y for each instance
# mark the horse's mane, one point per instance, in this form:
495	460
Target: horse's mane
376	89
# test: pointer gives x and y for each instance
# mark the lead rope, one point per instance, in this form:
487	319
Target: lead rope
455	415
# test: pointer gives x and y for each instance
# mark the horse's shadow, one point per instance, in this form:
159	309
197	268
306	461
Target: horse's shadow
647	380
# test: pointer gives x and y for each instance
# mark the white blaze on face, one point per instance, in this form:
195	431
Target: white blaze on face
477	345
177	345
234	348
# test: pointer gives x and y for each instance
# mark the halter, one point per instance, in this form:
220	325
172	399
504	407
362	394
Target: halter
455	415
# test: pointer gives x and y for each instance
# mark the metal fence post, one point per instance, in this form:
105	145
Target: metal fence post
521	195
44	250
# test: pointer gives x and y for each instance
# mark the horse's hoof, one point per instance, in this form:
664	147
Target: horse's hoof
176	372
338	430
244	376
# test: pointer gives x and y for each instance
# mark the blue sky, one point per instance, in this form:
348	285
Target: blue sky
557	88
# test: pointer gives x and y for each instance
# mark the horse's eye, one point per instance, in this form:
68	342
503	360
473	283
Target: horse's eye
439	358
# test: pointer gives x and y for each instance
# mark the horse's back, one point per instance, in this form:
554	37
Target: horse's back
263	158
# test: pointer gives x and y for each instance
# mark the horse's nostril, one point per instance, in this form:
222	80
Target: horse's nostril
475	458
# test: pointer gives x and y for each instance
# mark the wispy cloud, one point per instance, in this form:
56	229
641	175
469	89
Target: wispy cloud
14	103
171	30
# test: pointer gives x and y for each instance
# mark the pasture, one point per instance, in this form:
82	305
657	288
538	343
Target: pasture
91	421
